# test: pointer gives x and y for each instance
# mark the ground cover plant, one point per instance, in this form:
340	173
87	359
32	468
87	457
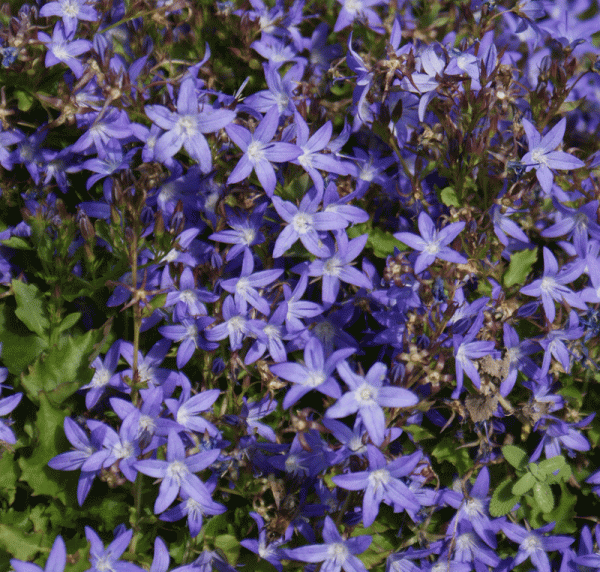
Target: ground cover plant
303	285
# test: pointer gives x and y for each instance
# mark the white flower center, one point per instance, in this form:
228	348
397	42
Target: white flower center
333	266
248	235
432	247
147	374
60	51
188	125
188	296
123	450
242	286
191	332
339	552
474	507
302	222
255	152
147	423
177	471
531	544
272	332
305	160
466	541
236	324
315	378
194	508
379	478
104	564
548	284
101	378
539	157
366	395
69	8
353	6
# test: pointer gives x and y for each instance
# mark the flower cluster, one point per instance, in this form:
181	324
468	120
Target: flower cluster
342	312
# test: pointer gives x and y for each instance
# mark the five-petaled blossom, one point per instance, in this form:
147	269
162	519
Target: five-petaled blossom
177	472
336	554
367	395
542	157
432	243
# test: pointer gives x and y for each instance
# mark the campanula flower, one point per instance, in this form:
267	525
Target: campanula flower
367	396
542	157
432	243
260	150
336	553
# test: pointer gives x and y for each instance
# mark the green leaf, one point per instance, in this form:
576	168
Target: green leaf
446	450
515	456
549	466
17	242
383	243
564	474
10	474
24	100
519	267
419	433
63	369
69	321
230	545
19	544
31	307
35	471
542	495
523	484
449	197
534	470
503	501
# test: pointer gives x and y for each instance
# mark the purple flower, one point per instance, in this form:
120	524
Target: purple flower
551	286
193	510
315	374
577	224
542	157
432	243
336	267
186	126
71	11
6	406
245	287
382	483
103	559
312	159
298	308
465	350
246	231
269	335
73	460
361	10
104	376
191	334
367	396
120	449
185	410
234	325
188	300
534	546
336	554
177	472
61	49
270	552
304	222
259	151
56	562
